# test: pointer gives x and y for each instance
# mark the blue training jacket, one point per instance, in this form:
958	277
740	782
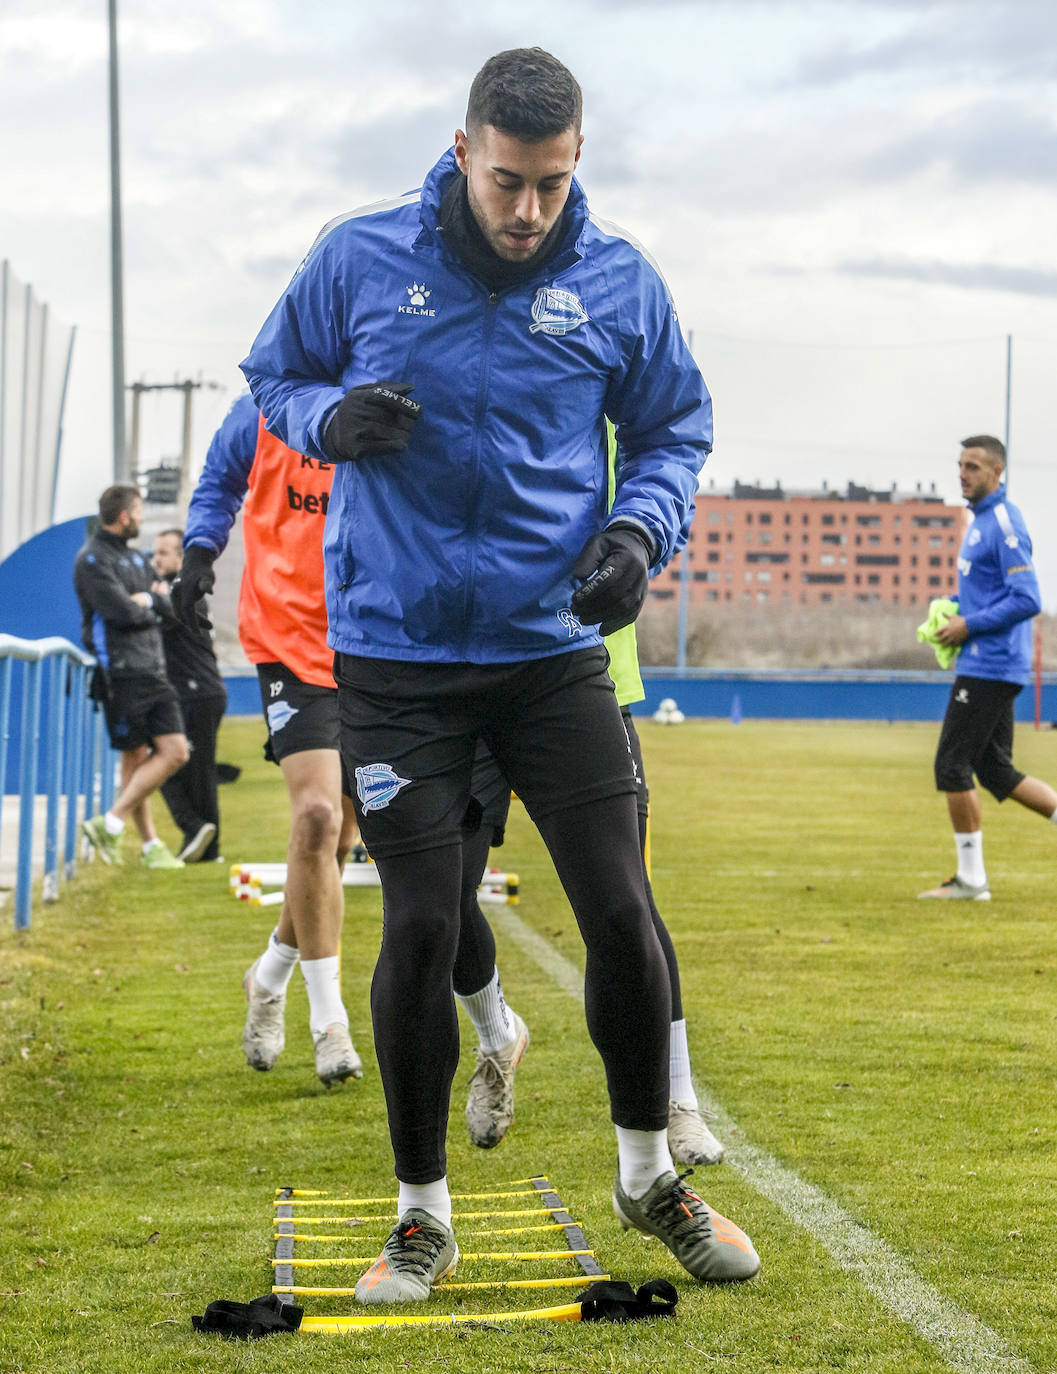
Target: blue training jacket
998	593
460	548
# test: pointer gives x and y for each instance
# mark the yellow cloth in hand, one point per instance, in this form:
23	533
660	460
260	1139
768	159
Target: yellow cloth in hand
941	608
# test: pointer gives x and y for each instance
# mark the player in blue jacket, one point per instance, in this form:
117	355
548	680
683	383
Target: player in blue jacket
998	595
470	558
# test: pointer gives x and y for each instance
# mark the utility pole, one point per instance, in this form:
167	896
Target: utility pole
117	301
188	387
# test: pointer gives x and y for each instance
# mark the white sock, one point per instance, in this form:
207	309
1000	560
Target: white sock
148	845
276	964
323	984
113	825
490	1015
433	1198
642	1156
681	1086
970	849
1053	818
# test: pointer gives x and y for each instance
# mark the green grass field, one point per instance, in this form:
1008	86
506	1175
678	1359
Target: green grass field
898	1056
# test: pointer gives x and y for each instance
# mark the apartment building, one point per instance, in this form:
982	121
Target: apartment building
758	545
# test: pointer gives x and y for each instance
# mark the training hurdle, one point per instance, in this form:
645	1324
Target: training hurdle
248	882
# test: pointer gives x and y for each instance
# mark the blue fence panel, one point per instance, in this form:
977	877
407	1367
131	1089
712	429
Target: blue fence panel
70	755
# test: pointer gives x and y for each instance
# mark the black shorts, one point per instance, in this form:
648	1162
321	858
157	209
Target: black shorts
642	798
139	709
977	737
409	732
489	797
300	716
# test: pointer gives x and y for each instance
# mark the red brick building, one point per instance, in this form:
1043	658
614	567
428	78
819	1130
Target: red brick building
760	545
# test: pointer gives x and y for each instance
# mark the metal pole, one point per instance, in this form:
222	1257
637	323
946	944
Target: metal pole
137	392
58	435
117	302
684	596
1009	388
184	495
54	678
30	744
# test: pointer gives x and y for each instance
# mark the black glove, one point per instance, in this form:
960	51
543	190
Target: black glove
615	565
375	418
195	580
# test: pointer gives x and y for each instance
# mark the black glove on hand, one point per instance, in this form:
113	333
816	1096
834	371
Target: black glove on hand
372	419
616	565
195	580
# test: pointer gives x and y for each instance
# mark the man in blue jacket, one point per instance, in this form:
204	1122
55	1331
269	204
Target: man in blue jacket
998	595
470	556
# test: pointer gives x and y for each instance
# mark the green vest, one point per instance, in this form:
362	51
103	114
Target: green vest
623	647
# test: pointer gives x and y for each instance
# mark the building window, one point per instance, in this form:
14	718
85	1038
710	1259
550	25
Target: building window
827	519
765	517
713	537
714	517
827	560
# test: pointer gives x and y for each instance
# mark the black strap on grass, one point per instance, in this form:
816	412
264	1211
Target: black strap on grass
249	1320
614	1301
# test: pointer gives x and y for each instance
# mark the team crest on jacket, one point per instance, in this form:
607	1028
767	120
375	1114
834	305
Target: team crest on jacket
377	784
556	312
570	621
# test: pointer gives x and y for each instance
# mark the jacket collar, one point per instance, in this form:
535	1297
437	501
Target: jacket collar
432	194
988	502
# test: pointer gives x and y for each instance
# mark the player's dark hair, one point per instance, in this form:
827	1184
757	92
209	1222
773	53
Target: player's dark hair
114	500
173	530
995	447
525	93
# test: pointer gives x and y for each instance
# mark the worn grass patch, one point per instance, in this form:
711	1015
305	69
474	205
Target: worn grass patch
898	1055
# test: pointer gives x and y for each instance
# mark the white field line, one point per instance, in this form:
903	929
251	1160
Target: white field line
965	1342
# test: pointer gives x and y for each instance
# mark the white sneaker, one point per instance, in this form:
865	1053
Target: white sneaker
490	1105
958	889
264	1035
689	1139
419	1253
336	1057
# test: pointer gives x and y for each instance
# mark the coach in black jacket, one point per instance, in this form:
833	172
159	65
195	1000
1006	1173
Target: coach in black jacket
120	624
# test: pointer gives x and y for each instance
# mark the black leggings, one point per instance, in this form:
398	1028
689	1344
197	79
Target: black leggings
475	956
595	850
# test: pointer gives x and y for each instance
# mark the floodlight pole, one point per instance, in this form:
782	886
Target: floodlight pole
117	303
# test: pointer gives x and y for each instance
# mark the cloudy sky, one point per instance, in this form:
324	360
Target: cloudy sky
854	201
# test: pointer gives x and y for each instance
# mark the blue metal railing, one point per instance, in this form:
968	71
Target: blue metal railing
73	757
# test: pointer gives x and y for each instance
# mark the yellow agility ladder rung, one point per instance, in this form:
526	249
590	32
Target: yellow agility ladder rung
514	1256
338	1326
299	1291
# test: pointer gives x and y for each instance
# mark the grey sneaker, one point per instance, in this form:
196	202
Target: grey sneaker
709	1246
265	1033
689	1139
419	1253
196	844
959	889
490	1106
107	846
336	1057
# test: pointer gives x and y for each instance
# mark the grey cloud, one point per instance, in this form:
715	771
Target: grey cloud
987	40
1024	281
995	142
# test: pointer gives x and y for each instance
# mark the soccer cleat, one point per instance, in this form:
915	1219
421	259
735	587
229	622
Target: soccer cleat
689	1139
419	1253
490	1105
264	1034
336	1057
159	855
107	846
196	844
706	1244
958	889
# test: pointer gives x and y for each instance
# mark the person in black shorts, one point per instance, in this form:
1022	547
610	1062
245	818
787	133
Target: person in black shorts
468	559
121	622
191	663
